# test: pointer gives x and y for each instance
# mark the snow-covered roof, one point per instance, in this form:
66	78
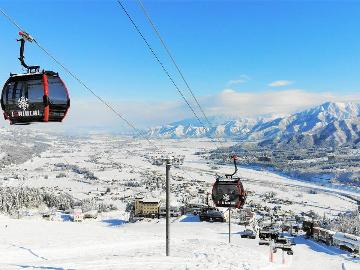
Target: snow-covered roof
150	200
26	74
348	238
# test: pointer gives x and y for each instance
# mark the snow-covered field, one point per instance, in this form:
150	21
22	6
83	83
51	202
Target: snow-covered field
98	162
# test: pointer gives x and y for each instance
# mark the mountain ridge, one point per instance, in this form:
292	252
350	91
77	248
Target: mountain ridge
331	123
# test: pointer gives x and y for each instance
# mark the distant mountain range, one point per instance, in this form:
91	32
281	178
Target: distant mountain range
329	124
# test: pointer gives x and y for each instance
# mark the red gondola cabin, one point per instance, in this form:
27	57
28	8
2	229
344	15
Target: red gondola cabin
228	193
35	97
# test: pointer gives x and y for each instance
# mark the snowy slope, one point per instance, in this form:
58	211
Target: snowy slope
110	244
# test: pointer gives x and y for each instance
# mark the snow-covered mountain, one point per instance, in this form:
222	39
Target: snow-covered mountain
191	128
327	124
330	123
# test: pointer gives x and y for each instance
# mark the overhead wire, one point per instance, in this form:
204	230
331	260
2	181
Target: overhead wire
158	60
167	49
167	73
157	32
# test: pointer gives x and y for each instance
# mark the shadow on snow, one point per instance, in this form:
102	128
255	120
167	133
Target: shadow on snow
319	247
42	267
66	217
114	222
190	218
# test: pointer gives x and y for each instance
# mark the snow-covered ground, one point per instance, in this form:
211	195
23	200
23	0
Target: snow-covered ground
109	243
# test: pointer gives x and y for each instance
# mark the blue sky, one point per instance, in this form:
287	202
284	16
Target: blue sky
239	45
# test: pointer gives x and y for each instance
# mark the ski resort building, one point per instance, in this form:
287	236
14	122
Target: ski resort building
147	207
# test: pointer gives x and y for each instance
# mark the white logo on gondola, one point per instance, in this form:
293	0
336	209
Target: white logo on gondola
226	197
23	103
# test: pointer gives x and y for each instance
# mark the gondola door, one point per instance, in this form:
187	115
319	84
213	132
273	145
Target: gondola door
38	109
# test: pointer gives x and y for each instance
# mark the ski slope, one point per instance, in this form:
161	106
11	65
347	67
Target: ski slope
111	244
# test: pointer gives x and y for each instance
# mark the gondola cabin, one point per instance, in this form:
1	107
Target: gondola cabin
35	97
228	193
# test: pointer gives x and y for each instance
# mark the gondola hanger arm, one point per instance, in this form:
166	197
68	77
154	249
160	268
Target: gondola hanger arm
26	37
234	157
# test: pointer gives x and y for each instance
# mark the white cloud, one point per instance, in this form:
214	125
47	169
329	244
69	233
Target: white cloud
140	113
280	83
89	114
246	104
243	78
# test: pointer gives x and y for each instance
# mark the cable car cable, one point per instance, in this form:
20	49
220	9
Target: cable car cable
158	60
10	19
160	63
147	15
157	32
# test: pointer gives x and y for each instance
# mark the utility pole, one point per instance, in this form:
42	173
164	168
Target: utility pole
168	165
229	225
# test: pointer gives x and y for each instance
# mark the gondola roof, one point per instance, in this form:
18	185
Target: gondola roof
33	75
